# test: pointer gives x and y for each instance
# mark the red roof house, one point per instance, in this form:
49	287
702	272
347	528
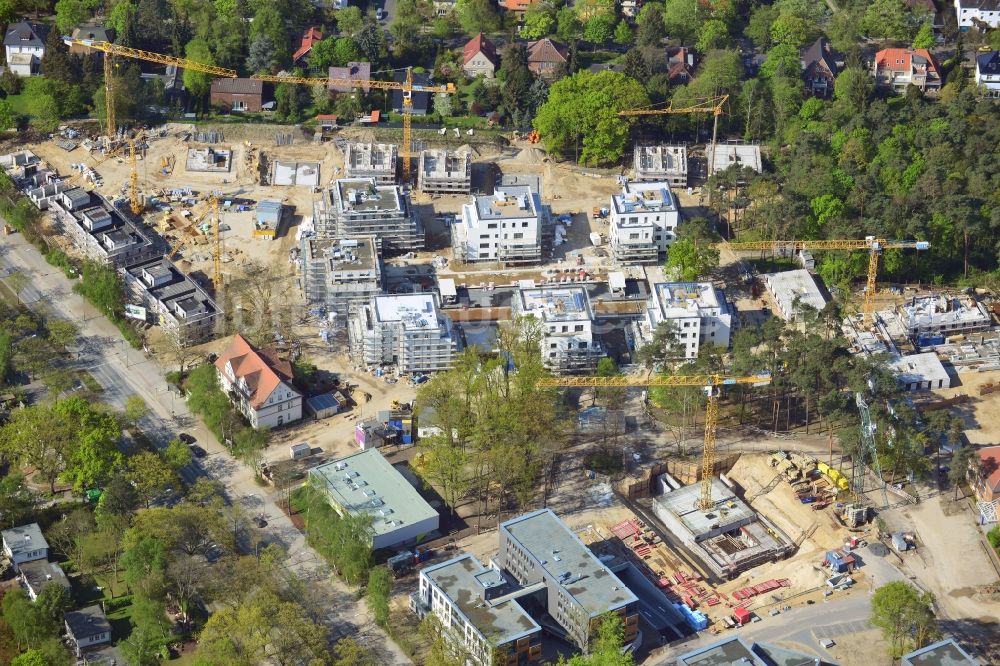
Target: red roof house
899	68
545	57
355	71
259	384
479	57
311	37
517	6
988	482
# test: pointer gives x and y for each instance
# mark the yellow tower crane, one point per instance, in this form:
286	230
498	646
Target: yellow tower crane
874	246
408	87
710	385
711	105
212	213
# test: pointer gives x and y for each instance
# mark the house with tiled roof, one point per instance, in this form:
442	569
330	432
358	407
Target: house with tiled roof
819	68
519	7
980	14
680	65
988	73
545	57
24	46
97	33
479	57
237	95
896	69
987	477
354	71
310	38
259	384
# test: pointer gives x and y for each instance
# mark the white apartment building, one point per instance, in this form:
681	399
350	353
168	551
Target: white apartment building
988	73
644	219
407	331
568	343
359	207
341	275
943	315
661	164
504	227
698	311
977	14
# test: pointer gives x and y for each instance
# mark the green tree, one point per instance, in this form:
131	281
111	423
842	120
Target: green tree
680	18
136	410
649	25
8	117
476	16
52	602
758	28
714	34
606	647
150	476
15	500
581	113
623	34
905	615
663	349
30	658
377	594
958	473
692	255
62	332
261	56
102	286
249	445
887	19
568	26
177	455
118	498
539	21
924	39
198	83
792	29
39	437
349	20
69	14
599	29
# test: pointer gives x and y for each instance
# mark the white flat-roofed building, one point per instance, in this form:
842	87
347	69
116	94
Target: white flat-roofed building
792	289
504	227
977	13
943	315
445	172
172	300
698	311
644	219
371	160
359	207
920	372
661	164
407	331
341	275
100	231
725	155
365	483
24	544
568	343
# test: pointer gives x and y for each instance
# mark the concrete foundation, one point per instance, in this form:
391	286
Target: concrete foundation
728	539
303	174
211	160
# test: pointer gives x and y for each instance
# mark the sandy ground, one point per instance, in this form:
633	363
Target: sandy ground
982	426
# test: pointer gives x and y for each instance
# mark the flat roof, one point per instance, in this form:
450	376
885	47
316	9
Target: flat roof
354	254
644	198
727	652
681	503
726	155
445	163
566	559
24	539
687	299
942	653
363	194
786	286
446	287
556	303
371	156
463	580
411	309
920	368
616	280
366	482
944	311
507	203
665	159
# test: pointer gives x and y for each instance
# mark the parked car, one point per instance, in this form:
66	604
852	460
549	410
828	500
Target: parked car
197	451
186	438
380	14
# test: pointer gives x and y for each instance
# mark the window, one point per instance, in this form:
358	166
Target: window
633	236
518	236
578	328
524	224
491	226
484	246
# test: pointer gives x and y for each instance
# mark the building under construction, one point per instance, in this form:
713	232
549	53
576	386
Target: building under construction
371	160
728	539
662	164
359	207
340	275
445	172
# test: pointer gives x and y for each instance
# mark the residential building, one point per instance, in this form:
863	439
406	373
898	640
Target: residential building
24	544
365	483
504	227
474	607
445	171
24	46
87	627
519	7
310	38
568	343
987	477
792	289
406	331
96	33
920	372
980	14
680	65
371	160
539	549
420	100
943	315
172	300
100	231
644	219
259	384
35	575
942	653
444	7
354	71
722	156
661	164
697	311
897	68
630	8
237	95
340	275
479	57
988	73
546	58
735	651
819	68
359	207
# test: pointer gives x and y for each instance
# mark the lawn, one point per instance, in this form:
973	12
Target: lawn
19	103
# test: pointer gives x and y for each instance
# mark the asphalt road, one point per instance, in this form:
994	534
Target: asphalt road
123	372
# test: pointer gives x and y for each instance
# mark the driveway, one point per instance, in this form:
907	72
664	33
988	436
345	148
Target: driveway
122	372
